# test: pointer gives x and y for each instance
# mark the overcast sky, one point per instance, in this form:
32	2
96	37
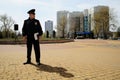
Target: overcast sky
46	9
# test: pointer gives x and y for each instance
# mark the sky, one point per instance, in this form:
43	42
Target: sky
47	9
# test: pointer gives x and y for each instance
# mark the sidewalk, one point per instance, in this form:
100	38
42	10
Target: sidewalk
79	60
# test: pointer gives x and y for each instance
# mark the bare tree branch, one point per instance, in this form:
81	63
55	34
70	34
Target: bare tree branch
6	23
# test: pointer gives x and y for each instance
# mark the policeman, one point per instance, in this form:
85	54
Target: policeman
31	32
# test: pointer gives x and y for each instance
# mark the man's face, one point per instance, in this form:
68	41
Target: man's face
32	16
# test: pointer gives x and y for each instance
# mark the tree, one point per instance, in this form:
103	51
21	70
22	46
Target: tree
113	17
101	19
6	23
47	34
114	22
118	29
118	32
1	35
62	26
54	34
73	27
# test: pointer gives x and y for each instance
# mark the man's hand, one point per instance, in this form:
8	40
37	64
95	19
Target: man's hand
24	38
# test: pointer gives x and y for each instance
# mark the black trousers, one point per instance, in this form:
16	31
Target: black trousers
36	45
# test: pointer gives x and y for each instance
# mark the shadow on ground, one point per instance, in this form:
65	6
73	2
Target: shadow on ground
59	70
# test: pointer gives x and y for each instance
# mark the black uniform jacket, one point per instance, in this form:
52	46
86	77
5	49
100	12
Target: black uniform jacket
30	27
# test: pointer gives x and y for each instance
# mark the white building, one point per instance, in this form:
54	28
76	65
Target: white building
86	20
78	21
81	22
60	16
75	22
49	27
92	12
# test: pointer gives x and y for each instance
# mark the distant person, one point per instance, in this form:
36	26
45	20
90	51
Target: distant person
31	32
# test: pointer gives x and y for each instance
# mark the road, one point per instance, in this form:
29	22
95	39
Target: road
79	60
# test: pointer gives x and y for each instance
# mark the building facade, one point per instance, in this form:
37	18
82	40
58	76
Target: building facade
62	17
103	12
86	21
82	22
49	27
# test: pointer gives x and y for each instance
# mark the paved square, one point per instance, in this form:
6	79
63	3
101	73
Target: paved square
79	60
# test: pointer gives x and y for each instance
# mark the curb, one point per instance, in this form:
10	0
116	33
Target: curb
41	42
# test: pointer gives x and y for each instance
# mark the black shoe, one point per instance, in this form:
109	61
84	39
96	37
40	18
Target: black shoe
38	63
27	63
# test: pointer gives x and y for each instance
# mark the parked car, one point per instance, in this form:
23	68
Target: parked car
116	38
